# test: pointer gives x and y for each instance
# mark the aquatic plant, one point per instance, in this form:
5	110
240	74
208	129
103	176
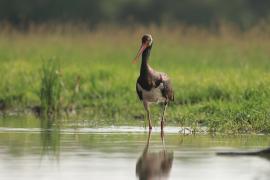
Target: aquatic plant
50	88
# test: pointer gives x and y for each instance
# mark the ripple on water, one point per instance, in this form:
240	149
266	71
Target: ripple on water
110	129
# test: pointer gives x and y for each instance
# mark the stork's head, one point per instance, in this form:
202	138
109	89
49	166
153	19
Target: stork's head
147	41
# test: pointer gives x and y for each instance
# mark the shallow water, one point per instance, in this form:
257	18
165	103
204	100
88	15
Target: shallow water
118	152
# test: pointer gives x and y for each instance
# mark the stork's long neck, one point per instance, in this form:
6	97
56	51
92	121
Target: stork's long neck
144	65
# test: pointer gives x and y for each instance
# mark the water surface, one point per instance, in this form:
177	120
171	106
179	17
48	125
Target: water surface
123	153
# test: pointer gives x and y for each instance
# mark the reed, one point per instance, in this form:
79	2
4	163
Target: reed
50	88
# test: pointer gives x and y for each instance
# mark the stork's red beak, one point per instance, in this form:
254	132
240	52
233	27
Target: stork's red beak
143	47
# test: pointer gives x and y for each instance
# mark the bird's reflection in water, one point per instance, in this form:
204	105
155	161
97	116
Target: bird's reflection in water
154	165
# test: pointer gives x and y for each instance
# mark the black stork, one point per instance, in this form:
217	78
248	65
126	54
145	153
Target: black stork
152	86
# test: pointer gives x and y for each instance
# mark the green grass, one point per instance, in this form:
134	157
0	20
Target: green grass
50	88
220	80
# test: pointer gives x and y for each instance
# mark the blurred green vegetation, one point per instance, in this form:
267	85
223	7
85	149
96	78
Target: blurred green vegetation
221	80
244	13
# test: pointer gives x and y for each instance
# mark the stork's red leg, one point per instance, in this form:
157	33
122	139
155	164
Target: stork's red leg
162	117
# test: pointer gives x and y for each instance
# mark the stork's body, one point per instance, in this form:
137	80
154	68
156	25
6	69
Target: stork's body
152	86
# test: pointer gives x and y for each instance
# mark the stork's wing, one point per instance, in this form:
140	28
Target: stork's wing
158	77
166	89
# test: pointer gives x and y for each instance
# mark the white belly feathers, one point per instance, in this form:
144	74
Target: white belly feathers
154	95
